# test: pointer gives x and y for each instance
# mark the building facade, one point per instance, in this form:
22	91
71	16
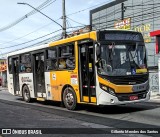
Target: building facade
138	15
3	72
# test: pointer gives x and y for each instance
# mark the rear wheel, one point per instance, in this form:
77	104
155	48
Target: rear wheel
69	98
26	94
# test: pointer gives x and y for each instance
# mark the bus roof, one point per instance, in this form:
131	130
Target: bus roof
58	42
25	50
91	35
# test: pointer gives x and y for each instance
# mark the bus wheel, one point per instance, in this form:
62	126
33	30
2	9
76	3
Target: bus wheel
69	98
26	94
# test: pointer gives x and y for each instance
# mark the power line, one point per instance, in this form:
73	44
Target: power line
56	37
33	45
30	40
37	38
76	21
25	35
42	6
129	15
139	15
86	8
41	13
68	23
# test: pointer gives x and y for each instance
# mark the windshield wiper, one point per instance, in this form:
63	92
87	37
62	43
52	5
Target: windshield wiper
133	63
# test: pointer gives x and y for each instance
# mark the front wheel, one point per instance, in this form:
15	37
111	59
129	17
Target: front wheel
69	98
26	94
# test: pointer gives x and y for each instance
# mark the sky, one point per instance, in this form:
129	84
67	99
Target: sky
37	25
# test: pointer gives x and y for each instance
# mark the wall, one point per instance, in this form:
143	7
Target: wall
145	17
154	82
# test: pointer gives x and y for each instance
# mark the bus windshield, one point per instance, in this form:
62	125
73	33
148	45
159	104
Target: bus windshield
122	58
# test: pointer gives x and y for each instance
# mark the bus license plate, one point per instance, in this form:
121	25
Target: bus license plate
133	98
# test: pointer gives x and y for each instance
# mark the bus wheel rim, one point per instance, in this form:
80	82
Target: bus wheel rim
69	99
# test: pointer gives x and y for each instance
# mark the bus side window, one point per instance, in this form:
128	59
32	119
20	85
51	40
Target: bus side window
67	57
51	62
25	63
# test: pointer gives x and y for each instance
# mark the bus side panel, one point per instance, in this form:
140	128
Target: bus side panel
27	79
61	78
55	92
48	86
10	83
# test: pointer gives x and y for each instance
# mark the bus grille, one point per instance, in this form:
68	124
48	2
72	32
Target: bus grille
126	97
128	80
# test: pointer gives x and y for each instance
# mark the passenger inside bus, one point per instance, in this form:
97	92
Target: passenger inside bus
70	63
62	64
22	68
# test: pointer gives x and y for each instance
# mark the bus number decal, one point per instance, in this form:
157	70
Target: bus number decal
26	79
74	80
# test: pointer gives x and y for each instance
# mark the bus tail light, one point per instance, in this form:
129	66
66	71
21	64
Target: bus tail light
107	89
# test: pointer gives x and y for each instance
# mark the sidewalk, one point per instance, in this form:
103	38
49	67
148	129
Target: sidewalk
3	88
155	98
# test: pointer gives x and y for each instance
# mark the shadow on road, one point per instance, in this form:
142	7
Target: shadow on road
118	109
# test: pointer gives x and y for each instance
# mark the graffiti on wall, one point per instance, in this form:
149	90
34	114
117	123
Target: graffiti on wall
154	82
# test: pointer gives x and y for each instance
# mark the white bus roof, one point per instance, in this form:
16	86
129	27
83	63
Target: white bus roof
27	50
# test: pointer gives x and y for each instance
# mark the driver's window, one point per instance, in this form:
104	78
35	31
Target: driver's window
104	64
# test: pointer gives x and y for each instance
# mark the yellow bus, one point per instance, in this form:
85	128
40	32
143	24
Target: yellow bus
106	67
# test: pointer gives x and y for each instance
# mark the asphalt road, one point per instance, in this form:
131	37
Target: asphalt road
15	113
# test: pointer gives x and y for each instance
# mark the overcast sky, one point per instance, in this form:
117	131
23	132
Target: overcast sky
38	25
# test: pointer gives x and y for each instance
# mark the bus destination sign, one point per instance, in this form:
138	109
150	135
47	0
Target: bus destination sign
120	36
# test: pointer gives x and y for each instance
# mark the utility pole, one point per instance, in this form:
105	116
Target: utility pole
64	18
122	11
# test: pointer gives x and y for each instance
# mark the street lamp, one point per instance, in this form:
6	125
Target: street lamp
42	14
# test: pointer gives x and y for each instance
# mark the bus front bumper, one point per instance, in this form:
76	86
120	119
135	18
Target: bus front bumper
108	99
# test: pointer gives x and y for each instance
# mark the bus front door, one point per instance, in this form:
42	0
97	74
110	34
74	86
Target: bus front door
39	77
16	75
87	73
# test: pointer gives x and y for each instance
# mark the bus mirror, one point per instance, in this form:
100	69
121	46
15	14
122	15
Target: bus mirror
109	68
98	50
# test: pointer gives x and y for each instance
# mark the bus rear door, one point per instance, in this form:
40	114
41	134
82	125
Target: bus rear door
39	77
16	75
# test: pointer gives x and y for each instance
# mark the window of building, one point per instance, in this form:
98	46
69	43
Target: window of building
66	58
51	62
25	63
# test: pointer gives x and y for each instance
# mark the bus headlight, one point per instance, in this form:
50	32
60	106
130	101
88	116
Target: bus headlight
107	89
